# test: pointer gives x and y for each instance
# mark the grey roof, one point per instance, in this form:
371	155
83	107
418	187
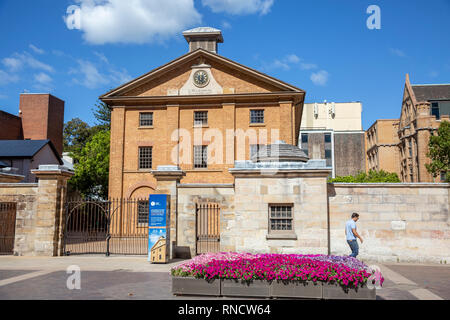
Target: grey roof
280	152
432	92
204	32
24	148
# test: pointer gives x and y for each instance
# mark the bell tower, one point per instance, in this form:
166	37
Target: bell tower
206	38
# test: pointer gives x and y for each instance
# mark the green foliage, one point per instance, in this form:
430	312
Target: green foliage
92	169
439	152
372	177
75	135
89	147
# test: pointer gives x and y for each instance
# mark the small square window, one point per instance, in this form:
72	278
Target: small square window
327	137
146	119
145	157
200	118
200	157
280	218
256	116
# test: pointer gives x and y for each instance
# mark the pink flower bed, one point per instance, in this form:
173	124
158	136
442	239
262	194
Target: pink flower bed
346	271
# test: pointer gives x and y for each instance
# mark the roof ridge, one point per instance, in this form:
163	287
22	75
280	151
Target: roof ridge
431	84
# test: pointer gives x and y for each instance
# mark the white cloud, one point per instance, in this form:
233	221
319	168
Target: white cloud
19	60
90	76
133	21
6	78
320	78
292	58
12	64
36	49
101	56
42	78
285	63
226	25
239	7
397	52
308	66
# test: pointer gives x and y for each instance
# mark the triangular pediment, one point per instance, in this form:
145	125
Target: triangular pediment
221	76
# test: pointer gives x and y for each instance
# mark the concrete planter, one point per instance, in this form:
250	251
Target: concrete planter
238	288
192	286
297	290
336	292
265	289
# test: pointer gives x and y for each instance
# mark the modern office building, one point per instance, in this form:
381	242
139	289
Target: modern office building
333	131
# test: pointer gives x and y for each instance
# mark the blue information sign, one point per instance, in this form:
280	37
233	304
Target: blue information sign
157	228
158	210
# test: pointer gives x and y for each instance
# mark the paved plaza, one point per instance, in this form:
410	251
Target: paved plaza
134	278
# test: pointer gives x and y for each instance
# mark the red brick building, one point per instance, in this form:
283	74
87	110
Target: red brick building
41	117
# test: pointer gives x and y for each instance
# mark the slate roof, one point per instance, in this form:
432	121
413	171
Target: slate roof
281	152
432	92
24	148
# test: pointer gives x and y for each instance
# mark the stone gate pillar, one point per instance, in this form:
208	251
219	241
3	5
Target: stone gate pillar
167	178
50	216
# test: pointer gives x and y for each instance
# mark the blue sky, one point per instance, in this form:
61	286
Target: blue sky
323	46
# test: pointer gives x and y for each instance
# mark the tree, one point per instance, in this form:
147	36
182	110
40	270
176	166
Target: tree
102	114
92	170
439	152
76	134
372	177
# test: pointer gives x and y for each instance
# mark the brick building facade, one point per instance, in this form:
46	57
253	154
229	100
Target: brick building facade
41	117
401	146
215	103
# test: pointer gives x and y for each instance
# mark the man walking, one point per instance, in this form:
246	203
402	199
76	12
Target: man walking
351	234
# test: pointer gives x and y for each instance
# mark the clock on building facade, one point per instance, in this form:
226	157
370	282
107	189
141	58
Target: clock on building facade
201	78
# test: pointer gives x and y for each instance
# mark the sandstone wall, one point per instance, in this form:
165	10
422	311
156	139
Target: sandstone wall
398	222
249	230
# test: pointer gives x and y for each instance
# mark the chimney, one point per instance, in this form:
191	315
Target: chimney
42	118
206	38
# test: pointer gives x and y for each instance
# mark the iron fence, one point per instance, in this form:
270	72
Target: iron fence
113	226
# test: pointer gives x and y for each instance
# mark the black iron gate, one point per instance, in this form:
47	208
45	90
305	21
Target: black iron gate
208	227
7	227
114	226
